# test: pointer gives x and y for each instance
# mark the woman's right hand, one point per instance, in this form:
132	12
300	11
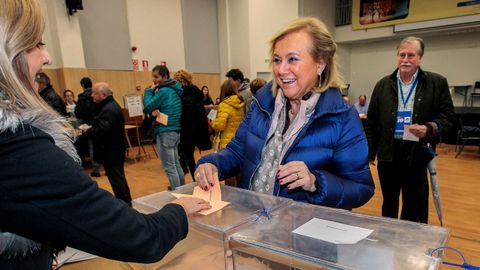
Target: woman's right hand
192	205
204	175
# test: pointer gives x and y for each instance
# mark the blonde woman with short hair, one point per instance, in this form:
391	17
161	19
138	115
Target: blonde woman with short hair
299	140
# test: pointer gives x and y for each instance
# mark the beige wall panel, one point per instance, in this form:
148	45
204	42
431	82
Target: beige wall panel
211	80
142	79
54	80
122	82
71	78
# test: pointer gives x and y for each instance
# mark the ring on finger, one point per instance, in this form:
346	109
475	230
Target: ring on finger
298	176
197	174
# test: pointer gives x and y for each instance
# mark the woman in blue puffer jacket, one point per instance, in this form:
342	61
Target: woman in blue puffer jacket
299	140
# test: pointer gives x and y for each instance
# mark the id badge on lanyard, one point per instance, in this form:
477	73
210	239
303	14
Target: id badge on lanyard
404	118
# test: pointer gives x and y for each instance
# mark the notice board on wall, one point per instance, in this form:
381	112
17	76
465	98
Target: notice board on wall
133	103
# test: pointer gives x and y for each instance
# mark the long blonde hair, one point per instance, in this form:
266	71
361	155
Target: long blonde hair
323	47
21	28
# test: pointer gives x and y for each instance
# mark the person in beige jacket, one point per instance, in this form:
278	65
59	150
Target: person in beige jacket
230	113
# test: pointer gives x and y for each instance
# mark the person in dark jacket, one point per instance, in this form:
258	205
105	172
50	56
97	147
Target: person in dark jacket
108	135
47	202
207	99
85	109
85	113
46	91
194	132
299	139
408	112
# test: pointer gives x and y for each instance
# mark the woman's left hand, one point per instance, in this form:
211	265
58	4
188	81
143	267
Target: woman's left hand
296	174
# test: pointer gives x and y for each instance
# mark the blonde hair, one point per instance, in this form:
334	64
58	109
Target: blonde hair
21	28
323	47
257	84
183	77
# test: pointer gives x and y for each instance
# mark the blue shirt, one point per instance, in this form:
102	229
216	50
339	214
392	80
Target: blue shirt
361	109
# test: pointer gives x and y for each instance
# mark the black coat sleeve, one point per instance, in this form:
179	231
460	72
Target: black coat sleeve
372	126
55	101
80	108
58	105
46	196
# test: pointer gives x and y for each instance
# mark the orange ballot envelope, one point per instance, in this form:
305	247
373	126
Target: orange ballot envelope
213	196
162	119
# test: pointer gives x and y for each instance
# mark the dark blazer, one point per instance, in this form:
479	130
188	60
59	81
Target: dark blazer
194	119
54	100
47	197
433	103
108	133
85	108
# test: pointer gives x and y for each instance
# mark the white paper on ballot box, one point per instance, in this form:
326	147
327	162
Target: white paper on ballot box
70	255
332	232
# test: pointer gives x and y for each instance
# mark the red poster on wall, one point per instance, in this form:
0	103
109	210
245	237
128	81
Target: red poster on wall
145	65
135	64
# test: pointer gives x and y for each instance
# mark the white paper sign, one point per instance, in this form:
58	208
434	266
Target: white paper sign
212	115
332	232
408	136
134	105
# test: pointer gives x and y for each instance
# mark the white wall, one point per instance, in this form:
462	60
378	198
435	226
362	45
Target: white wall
105	35
454	56
239	35
200	34
156	29
344	55
223	37
265	22
322	9
62	35
245	27
325	11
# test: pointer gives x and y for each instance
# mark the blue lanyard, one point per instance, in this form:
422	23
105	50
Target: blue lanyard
405	101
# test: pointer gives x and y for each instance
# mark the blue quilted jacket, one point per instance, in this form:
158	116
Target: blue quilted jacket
332	144
167	99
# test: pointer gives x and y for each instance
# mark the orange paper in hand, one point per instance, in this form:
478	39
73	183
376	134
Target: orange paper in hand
213	196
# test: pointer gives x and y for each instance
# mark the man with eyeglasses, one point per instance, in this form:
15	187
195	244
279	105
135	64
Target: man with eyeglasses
408	113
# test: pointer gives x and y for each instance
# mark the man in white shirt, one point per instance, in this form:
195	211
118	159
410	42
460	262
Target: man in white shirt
362	106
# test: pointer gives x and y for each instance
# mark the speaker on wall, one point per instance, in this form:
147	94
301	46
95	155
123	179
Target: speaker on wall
73	6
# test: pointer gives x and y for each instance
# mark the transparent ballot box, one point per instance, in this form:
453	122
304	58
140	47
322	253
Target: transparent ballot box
206	246
325	238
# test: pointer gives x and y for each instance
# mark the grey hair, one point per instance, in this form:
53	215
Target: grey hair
412	39
103	88
108	92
